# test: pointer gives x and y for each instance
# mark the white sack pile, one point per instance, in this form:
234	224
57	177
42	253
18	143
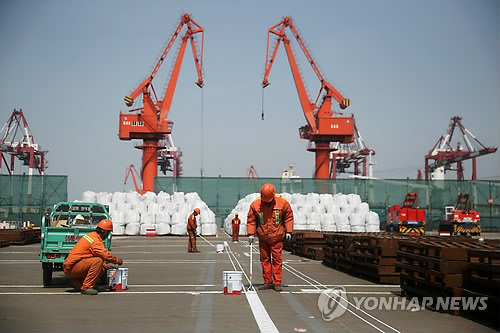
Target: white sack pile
133	213
313	211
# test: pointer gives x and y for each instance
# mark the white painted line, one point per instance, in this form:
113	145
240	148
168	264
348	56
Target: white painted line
319	291
346	285
290	268
118	292
130	285
260	314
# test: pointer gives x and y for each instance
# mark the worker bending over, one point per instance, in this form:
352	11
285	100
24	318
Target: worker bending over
236	227
88	259
191	229
270	218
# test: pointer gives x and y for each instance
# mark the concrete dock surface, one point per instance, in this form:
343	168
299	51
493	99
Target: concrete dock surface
171	290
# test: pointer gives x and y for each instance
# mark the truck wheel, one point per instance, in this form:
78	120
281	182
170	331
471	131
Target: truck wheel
47	274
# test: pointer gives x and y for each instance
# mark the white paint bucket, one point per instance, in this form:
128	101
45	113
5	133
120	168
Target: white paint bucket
118	281
232	281
219	248
151	232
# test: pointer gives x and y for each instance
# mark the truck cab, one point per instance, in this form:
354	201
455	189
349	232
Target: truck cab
62	228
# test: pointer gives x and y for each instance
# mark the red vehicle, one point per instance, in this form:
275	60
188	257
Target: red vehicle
460	219
408	219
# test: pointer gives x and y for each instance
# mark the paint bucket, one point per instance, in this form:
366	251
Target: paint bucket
151	232
232	282
118	281
219	248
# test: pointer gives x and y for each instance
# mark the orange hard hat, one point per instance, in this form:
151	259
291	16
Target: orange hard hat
197	210
105	225
267	192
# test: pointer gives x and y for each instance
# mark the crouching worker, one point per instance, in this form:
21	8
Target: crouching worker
88	259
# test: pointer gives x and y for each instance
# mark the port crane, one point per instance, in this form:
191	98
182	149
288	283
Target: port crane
324	125
131	171
442	155
355	153
17	141
149	122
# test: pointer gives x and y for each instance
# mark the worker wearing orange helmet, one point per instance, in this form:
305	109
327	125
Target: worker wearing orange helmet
236	227
88	259
270	217
191	229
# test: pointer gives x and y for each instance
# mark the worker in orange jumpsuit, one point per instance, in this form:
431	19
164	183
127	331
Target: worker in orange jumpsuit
191	229
88	259
236	227
270	217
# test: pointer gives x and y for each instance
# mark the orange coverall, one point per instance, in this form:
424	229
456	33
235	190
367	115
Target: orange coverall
236	228
270	221
87	261
191	229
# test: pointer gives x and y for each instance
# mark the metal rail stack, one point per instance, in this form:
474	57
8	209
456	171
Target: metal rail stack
309	244
20	236
450	268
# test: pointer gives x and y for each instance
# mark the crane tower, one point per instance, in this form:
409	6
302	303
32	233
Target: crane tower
149	122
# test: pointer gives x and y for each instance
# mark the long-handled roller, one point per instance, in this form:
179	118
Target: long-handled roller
251	263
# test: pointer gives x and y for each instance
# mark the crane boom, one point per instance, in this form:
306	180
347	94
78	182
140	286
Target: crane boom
150	122
323	125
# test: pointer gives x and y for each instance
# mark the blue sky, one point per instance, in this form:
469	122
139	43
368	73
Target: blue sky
408	67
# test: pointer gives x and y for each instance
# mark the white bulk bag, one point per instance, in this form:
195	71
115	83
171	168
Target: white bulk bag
354	199
358	228
357	219
372	227
132	229
209	229
372	218
341	219
362	208
179	229
118	229
147	218
343	227
162	229
89	196
163	217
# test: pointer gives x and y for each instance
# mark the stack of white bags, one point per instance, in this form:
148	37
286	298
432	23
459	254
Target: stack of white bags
133	213
313	211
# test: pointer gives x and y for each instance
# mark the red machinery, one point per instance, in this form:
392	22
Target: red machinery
444	155
252	173
323	125
133	172
150	122
408	219
355	153
460	219
17	140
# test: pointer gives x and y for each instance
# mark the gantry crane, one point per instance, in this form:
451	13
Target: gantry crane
150	122
323	125
17	140
444	155
356	153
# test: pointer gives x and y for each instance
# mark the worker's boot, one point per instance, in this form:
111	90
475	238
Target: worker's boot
266	286
277	287
90	291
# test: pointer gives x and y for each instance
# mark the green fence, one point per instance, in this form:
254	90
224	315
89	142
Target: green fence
26	198
222	194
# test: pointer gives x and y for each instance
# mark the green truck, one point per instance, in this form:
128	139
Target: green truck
61	230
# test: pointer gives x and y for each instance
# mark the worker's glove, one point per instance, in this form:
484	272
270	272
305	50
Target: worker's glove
119	262
250	240
288	237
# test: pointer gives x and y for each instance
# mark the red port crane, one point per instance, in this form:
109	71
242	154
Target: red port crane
252	173
355	153
444	155
149	123
323	125
17	140
133	172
